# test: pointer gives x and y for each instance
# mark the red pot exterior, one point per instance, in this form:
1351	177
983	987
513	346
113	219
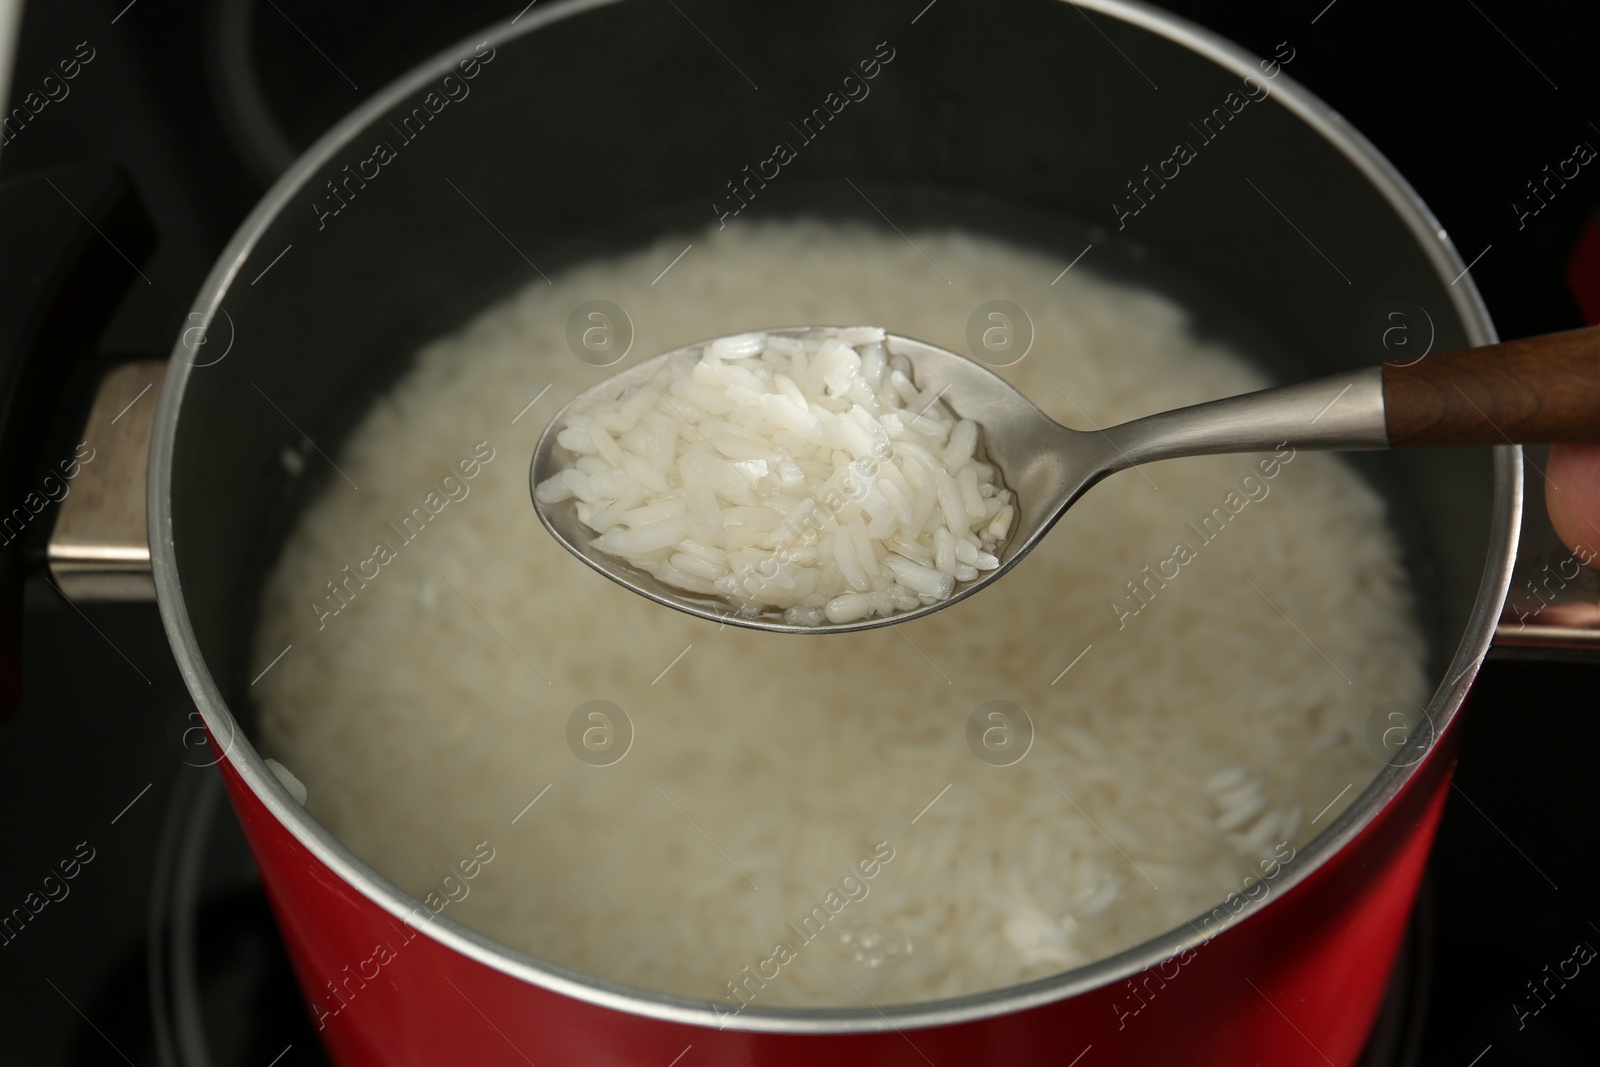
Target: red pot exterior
1296	977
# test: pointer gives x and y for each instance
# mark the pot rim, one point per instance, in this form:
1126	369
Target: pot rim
252	770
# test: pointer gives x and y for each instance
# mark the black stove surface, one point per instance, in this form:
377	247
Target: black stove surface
162	951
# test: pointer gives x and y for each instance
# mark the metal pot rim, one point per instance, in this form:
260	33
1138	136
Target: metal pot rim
1447	698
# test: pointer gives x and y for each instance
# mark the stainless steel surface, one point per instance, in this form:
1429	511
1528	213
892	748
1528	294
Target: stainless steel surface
1343	412
1046	465
100	546
261	237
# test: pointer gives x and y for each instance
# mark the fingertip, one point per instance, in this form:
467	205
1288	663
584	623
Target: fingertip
1572	493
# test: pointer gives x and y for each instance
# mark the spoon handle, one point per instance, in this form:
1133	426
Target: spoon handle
1533	391
1342	412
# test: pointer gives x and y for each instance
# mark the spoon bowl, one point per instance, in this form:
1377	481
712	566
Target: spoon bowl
1538	390
1036	458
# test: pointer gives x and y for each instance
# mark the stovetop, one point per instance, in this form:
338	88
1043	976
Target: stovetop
160	948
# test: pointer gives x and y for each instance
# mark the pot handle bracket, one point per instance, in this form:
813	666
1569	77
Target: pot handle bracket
99	549
1552	610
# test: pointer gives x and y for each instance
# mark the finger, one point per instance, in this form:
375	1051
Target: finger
1575	506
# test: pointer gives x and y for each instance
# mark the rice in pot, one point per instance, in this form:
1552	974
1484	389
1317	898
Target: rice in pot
1197	649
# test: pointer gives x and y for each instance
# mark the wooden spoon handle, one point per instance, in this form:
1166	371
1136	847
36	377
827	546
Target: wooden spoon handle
1534	391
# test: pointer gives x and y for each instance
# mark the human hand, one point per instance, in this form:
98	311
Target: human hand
1575	506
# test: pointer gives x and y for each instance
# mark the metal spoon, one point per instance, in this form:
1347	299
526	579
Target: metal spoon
1542	389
